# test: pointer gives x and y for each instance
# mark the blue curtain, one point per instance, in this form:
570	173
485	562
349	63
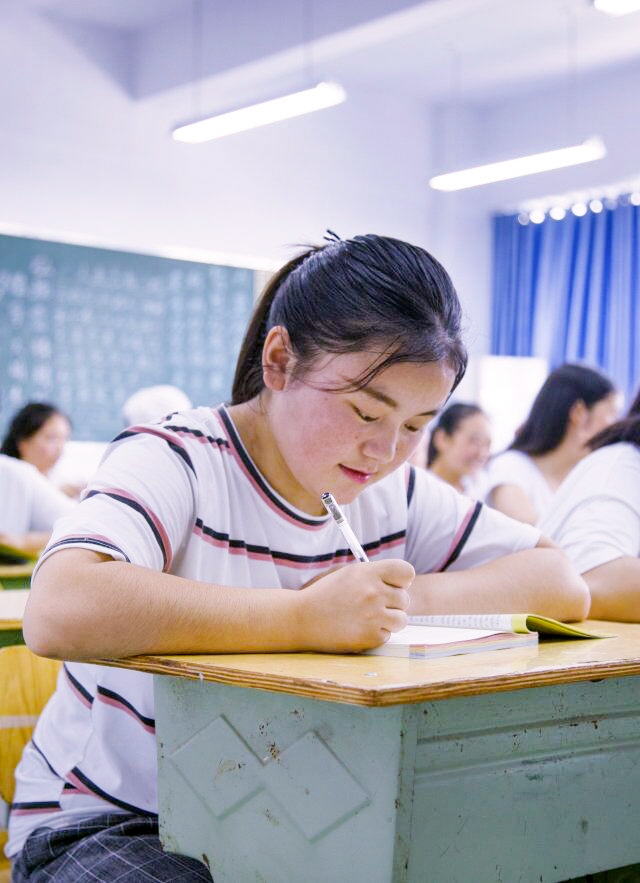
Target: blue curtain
568	291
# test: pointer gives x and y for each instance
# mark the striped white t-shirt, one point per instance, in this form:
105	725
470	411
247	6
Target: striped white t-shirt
184	496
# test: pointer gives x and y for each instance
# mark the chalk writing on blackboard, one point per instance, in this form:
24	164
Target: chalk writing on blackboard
85	327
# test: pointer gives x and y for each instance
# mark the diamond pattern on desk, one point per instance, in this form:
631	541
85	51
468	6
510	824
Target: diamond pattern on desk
314	788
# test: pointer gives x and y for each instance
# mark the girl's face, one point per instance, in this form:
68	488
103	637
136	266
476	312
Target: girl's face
467	449
44	447
602	414
344	441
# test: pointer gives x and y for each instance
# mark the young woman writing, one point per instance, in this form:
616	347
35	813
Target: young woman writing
196	533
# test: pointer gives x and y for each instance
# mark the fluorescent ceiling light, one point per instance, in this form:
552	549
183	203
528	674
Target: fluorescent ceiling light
591	149
283	108
617	7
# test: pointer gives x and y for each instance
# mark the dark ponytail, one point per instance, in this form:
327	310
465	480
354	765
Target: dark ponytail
247	380
368	293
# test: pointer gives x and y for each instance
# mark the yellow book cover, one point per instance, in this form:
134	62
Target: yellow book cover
522	623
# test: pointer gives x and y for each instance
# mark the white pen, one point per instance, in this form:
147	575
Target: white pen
345	528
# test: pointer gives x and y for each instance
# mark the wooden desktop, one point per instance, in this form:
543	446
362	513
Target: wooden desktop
500	766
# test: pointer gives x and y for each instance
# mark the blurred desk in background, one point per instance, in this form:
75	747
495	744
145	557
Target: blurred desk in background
16	576
12	606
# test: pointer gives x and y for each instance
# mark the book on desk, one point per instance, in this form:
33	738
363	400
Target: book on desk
449	635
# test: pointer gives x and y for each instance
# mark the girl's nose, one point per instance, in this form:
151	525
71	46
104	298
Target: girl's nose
382	445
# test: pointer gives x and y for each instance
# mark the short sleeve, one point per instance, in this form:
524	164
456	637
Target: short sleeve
449	531
139	506
595	515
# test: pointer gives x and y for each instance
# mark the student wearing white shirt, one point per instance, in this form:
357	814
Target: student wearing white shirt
459	448
574	403
595	517
30	505
206	532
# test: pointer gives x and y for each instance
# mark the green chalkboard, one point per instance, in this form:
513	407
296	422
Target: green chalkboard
84	327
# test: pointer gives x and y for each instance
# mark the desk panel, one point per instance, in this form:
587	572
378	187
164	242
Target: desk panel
537	785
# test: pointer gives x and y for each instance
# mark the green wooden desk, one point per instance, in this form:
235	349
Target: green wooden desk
512	765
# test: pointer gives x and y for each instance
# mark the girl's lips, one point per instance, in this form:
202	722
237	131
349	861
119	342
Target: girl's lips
356	475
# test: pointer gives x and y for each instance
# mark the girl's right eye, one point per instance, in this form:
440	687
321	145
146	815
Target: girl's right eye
366	418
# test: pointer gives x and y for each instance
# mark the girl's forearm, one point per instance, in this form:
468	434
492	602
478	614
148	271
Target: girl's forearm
540	580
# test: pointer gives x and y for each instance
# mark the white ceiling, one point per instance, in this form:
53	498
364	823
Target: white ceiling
452	50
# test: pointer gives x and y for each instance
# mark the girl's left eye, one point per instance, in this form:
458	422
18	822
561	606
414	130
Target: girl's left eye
412	428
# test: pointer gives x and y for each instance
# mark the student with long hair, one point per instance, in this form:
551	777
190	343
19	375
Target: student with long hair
207	533
37	434
459	447
595	517
574	403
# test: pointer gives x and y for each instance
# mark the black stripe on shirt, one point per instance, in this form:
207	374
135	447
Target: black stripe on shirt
288	557
176	448
43	756
411	485
137	507
465	536
95	789
36	804
76	683
258	479
196	433
110	694
69	541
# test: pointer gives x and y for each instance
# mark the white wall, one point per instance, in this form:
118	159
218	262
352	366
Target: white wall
79	159
83	161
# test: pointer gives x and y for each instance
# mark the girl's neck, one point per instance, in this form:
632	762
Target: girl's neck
555	465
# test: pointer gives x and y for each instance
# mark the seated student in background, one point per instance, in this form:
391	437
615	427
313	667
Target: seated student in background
595	517
574	403
29	506
152	403
37	434
459	447
206	533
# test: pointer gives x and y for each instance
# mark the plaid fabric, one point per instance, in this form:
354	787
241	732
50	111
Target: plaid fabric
114	847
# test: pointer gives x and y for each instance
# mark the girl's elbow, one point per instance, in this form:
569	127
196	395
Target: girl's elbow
40	637
575	591
583	601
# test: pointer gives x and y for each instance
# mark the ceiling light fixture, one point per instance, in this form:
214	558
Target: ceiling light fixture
287	106
589	150
617	7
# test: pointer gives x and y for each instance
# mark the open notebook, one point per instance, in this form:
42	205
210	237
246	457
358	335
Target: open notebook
428	641
452	634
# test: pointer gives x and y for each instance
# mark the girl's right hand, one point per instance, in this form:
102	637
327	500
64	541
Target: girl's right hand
355	607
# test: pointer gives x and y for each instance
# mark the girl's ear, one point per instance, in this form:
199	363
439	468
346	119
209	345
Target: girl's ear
277	358
578	414
440	439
